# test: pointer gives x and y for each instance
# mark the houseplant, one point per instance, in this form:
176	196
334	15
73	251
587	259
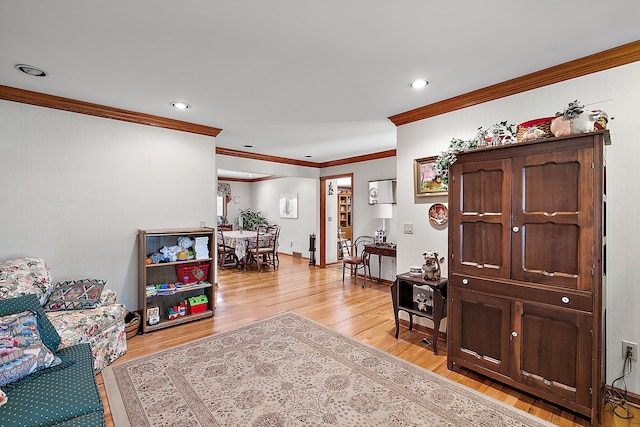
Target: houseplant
249	219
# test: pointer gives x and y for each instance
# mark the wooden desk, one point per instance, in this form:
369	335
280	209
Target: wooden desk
380	250
403	300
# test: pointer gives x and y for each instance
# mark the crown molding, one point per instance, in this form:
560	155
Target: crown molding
356	159
601	61
264	157
276	159
74	106
264	178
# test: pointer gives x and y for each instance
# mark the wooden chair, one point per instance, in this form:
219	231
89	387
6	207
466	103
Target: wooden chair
354	256
225	227
260	248
275	230
226	254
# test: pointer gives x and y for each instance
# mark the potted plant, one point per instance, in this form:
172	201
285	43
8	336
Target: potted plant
249	219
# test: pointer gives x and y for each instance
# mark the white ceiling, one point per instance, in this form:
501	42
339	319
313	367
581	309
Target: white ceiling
295	78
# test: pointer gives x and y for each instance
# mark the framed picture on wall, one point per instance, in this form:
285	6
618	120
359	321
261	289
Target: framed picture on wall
426	179
289	205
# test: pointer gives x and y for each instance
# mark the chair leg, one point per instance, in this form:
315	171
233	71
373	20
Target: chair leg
343	266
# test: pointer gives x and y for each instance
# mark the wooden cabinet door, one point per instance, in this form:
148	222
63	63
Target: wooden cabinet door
551	350
480	211
552	218
479	330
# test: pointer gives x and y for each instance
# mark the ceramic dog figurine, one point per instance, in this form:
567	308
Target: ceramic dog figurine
431	266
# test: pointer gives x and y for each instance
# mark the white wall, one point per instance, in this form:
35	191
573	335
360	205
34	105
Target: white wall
75	189
615	91
363	217
242	190
264	196
294	232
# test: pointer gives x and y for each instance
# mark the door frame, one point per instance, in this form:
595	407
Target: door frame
323	213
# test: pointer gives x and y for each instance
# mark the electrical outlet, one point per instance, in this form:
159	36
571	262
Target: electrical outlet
628	345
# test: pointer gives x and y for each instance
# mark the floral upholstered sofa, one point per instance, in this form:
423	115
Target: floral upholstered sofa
93	317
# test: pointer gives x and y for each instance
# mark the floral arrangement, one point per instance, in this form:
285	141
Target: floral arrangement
499	134
249	219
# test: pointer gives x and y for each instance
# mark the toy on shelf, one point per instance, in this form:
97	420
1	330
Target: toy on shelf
197	304
153	315
177	311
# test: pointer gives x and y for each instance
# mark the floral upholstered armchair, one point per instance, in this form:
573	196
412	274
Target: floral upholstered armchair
80	311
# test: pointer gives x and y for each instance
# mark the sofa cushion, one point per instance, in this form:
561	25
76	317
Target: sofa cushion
21	348
75	295
102	327
24	276
61	396
30	302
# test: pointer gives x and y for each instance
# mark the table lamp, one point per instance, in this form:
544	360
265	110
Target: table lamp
382	210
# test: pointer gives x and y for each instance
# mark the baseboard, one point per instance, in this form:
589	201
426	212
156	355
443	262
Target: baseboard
631	398
442	336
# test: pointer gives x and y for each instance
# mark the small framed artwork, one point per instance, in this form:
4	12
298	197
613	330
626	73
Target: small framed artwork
289	205
427	181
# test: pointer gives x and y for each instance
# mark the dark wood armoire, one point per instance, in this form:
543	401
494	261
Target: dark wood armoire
526	245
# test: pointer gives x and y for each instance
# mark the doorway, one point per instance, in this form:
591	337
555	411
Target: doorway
336	212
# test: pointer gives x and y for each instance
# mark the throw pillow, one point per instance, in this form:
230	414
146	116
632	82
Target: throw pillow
75	295
24	276
30	302
22	352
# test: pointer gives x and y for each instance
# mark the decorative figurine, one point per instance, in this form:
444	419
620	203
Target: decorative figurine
431	266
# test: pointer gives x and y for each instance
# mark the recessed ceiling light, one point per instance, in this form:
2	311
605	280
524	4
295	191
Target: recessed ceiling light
180	105
418	84
31	70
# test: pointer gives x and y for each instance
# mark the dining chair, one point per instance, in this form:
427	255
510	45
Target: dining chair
275	231
260	248
226	254
355	256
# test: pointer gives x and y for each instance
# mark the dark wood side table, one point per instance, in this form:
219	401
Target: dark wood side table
403	300
380	250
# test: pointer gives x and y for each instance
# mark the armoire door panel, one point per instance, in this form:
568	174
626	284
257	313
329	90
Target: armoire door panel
554	346
552	212
550	183
482	248
482	330
550	254
481	243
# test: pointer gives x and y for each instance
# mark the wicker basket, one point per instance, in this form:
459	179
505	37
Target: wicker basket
132	324
193	273
543	124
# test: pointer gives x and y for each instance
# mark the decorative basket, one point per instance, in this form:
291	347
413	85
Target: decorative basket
132	324
543	125
192	273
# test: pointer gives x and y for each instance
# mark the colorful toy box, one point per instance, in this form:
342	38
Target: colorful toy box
197	304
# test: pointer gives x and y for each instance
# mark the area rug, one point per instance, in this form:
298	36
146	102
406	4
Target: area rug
291	371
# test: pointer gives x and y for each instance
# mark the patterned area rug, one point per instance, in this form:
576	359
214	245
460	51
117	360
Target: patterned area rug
291	371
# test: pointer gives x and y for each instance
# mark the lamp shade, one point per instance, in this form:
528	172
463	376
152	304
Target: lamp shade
383	210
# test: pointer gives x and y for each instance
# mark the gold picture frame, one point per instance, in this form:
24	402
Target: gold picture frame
426	180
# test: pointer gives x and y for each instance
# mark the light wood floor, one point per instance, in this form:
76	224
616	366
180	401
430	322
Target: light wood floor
365	314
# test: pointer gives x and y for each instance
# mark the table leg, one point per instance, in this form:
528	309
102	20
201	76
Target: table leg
438	309
394	301
379	267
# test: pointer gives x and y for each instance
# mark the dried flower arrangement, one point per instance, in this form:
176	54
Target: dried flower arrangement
499	134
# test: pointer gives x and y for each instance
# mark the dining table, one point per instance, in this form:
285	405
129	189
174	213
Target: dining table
243	240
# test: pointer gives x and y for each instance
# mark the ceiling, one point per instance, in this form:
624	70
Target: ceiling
295	78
